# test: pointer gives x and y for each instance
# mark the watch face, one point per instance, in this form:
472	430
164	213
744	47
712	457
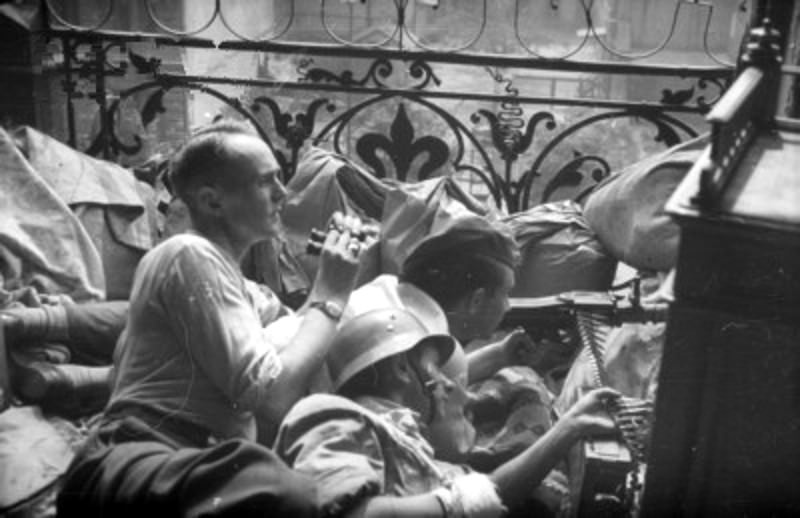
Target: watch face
329	308
333	310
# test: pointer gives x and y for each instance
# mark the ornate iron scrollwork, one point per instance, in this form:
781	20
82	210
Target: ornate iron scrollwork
684	97
703	83
380	70
383	75
677	97
295	129
107	142
510	142
570	175
144	65
401	34
402	148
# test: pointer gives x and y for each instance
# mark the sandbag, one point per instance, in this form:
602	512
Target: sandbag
559	251
626	210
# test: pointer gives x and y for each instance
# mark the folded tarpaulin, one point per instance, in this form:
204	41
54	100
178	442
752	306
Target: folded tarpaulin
117	210
80	179
42	243
34	454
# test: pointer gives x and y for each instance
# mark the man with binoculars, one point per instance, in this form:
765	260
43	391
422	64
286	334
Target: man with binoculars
194	373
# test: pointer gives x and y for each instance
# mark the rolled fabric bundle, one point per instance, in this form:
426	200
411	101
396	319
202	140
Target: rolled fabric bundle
559	251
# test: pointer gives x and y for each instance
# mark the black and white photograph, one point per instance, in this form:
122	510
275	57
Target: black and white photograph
400	258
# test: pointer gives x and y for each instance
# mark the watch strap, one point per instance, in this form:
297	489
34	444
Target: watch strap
331	310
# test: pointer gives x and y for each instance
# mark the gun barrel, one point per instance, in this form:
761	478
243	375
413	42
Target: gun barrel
558	311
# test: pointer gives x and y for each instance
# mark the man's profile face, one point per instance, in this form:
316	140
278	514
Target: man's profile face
494	304
254	198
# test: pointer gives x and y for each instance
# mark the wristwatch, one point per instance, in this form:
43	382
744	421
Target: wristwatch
332	310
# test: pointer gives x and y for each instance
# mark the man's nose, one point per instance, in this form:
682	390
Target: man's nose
279	193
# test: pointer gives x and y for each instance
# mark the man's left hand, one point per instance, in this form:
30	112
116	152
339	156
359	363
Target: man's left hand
519	349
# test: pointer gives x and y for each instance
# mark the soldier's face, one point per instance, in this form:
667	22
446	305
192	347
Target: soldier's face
493	304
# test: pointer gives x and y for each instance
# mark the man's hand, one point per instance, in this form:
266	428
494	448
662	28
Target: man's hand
588	416
339	258
519	349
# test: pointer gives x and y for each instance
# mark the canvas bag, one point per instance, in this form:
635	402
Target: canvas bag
325	182
413	212
626	210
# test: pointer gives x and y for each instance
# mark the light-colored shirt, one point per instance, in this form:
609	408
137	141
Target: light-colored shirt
194	347
356	450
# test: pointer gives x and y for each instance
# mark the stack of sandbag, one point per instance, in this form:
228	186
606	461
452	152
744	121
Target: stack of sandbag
117	211
626	210
559	251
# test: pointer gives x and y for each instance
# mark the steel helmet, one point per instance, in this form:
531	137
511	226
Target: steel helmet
373	336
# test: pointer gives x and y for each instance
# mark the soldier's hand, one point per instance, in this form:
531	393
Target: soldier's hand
519	349
589	415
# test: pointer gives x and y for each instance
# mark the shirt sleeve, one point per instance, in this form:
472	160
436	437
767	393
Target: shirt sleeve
268	306
213	315
337	448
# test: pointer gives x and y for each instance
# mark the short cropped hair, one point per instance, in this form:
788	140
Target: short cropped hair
465	254
205	156
448	278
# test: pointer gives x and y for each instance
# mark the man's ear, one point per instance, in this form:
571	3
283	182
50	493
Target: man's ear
208	199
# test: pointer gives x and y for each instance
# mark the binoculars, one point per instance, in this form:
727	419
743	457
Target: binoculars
317	237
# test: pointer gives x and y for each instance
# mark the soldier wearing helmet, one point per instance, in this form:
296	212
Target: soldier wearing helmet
375	451
456	280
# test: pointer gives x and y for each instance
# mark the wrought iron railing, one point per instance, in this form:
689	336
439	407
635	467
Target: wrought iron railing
511	144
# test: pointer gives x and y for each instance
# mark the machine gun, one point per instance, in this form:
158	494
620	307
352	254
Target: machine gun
541	315
605	473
